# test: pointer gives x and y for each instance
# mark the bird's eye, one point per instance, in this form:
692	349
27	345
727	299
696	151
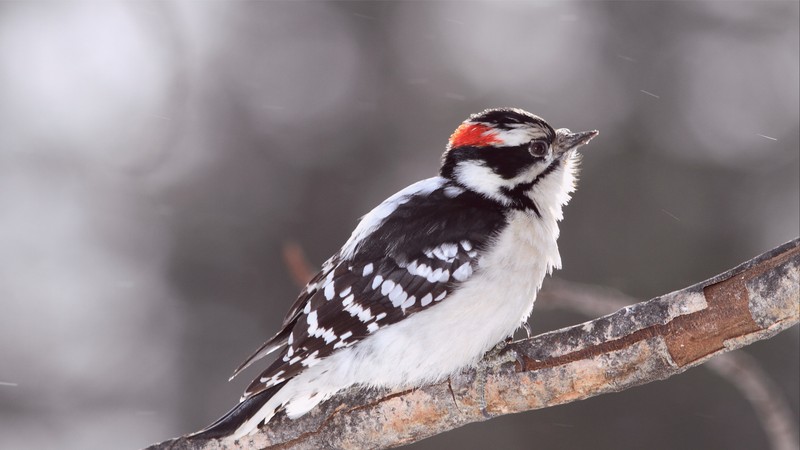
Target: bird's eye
538	149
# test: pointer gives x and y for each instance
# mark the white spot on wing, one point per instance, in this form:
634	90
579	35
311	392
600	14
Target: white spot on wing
311	319
434	276
373	327
412	267
463	272
356	310
426	300
269	381
377	281
367	270
330	291
328	335
397	296
365	315
387	287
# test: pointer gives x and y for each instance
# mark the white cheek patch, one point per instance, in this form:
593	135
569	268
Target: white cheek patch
481	179
476	176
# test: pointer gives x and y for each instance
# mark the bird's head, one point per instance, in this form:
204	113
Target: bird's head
503	153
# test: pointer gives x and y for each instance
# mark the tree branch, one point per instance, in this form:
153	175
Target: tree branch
648	341
739	369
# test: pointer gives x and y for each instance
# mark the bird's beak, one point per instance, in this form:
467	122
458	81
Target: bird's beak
567	140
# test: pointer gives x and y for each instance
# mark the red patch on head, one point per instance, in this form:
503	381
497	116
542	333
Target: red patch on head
473	135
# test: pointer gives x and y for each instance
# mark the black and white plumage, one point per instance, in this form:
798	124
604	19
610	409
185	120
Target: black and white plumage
430	279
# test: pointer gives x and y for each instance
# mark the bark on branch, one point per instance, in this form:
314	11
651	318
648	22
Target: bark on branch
648	341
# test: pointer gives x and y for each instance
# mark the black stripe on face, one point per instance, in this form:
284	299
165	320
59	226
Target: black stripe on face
508	162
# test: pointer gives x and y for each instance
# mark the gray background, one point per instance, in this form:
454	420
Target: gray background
155	158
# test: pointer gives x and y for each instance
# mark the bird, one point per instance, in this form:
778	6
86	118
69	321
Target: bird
429	280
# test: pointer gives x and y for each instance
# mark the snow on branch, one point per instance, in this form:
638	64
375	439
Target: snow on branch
645	342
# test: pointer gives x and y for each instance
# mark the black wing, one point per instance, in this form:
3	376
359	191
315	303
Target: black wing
417	255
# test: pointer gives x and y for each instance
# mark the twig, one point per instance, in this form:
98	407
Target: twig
769	403
296	262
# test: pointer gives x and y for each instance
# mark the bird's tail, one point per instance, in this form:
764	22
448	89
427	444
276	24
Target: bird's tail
244	417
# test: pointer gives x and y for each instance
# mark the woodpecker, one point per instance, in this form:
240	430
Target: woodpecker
431	279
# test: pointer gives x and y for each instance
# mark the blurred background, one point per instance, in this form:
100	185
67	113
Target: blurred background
155	157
